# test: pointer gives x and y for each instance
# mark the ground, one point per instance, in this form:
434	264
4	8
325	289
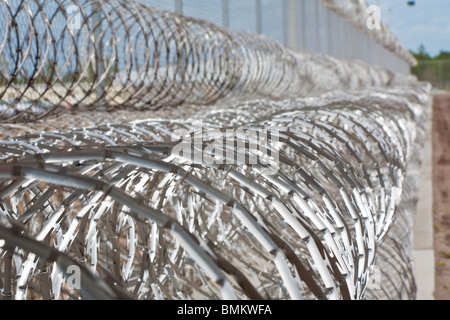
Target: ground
441	194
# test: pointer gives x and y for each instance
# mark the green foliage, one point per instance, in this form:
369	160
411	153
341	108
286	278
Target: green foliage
435	70
421	54
443	55
445	254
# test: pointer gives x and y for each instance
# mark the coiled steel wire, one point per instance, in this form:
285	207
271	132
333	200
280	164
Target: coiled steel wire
257	187
149	222
120	54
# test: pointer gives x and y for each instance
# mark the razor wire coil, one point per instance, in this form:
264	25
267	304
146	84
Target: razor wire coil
122	54
332	202
284	175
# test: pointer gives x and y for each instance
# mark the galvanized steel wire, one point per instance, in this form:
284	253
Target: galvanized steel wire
159	225
123	54
104	186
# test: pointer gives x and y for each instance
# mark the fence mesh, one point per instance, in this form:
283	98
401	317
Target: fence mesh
339	28
435	72
121	54
283	175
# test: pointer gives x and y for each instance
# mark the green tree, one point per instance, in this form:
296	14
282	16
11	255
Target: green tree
443	55
421	53
435	70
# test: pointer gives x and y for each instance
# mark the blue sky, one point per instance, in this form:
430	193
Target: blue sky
427	23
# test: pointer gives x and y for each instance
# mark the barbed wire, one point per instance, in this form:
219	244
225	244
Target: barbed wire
157	223
120	54
246	186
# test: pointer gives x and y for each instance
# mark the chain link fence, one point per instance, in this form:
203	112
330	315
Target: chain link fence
119	54
435	72
337	28
270	173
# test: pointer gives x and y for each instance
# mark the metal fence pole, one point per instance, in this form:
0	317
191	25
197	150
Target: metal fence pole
179	6
293	26
285	22
303	23
340	37
225	14
258	16
329	32
97	25
317	26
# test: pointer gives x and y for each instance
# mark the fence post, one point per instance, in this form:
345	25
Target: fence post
258	16
317	26
304	33
285	22
225	14
97	25
179	6
293	25
329	31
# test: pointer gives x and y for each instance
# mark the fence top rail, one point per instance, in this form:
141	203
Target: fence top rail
435	62
356	13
